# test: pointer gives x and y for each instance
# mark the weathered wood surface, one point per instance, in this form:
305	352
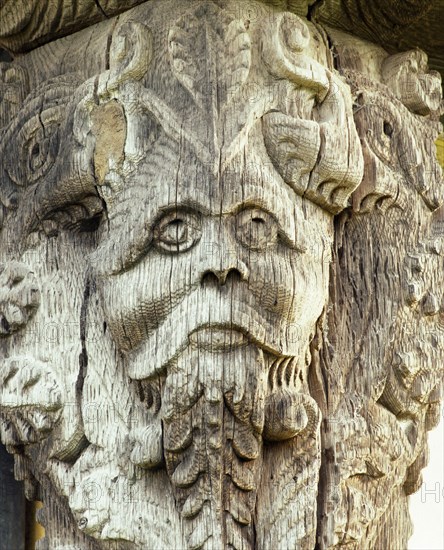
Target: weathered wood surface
396	25
26	24
221	294
384	337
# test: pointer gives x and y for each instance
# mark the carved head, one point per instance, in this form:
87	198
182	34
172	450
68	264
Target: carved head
200	221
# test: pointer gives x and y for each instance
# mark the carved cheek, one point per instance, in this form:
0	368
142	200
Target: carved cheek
310	288
138	300
271	281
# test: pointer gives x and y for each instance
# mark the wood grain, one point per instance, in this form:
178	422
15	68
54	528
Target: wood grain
221	298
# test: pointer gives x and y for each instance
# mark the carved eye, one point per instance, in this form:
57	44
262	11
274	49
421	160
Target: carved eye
388	128
177	231
37	151
256	229
37	144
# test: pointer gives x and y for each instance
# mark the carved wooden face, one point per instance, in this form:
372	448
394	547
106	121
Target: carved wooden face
241	252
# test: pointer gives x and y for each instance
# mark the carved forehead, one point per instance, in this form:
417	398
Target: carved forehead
170	174
164	181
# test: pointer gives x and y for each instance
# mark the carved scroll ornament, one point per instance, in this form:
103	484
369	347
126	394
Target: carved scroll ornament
173	282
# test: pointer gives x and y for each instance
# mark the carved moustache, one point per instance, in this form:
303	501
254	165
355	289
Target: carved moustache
204	309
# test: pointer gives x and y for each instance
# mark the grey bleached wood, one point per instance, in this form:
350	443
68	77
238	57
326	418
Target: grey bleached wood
214	228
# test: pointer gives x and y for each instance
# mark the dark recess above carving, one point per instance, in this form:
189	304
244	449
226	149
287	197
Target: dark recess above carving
397	25
27	24
5	56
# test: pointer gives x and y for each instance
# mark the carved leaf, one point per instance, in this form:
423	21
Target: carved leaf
131	53
19	297
30	397
210	55
293	146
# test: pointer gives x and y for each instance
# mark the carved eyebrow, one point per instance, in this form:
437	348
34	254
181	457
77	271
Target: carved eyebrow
286	223
132	246
275	198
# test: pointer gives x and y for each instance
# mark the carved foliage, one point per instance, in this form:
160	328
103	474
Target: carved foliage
19	297
388	259
210	55
203	243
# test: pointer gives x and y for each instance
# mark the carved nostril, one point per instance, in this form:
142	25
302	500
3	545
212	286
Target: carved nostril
209	278
220	277
232	275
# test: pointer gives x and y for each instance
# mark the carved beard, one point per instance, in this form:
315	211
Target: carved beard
221	397
213	416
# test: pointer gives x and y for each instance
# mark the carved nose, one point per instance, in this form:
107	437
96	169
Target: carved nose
221	276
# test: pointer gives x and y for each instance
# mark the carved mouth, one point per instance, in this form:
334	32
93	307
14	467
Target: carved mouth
218	338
